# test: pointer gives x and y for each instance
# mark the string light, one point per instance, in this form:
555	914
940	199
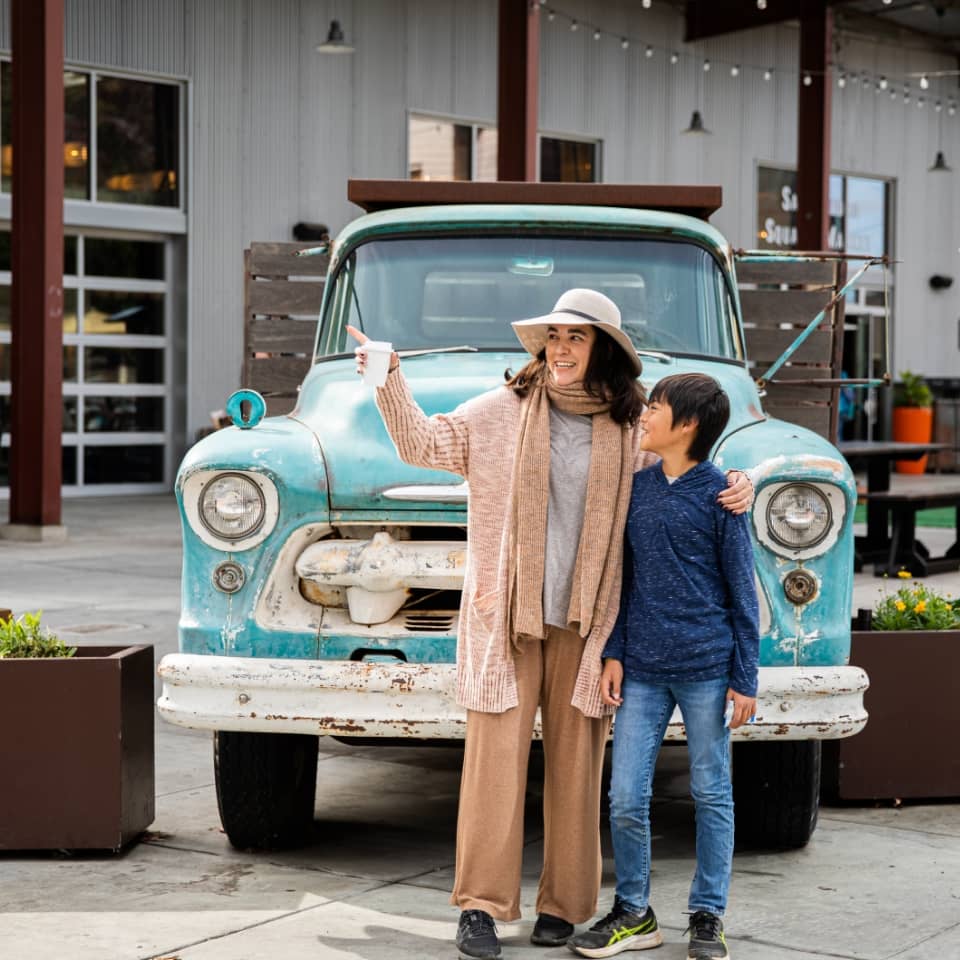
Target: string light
844	76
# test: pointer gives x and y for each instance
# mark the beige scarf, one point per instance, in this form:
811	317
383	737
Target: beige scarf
609	482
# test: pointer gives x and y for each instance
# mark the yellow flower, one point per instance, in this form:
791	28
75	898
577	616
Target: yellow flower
900	605
904	574
920	607
949	606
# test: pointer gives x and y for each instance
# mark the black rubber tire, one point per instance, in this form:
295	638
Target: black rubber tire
266	788
776	793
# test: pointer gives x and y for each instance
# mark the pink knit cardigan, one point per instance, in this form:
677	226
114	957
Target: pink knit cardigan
477	441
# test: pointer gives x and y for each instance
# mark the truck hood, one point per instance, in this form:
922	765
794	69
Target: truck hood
360	459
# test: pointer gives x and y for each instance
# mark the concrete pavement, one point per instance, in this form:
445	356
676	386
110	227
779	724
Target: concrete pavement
874	883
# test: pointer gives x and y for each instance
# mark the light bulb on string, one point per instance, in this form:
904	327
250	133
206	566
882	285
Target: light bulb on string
574	26
893	94
648	52
938	106
924	82
551	16
674	58
842	80
646	4
706	66
735	70
767	74
952	108
596	34
920	103
624	43
761	4
807	80
883	83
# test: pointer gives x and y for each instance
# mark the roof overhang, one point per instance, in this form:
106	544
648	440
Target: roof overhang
694	201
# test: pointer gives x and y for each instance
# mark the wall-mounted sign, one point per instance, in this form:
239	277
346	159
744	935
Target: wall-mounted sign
777	210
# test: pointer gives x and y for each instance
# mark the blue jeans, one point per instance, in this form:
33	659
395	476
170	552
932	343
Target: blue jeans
640	724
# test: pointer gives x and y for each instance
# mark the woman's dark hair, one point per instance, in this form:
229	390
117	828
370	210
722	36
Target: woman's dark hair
609	378
695	398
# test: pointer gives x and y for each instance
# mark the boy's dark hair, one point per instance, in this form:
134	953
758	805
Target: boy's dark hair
609	377
695	398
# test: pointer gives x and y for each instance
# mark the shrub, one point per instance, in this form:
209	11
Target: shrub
912	391
24	638
916	607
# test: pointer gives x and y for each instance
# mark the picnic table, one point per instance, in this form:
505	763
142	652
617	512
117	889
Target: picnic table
892	504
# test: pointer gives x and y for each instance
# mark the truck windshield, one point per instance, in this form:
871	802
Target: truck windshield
465	290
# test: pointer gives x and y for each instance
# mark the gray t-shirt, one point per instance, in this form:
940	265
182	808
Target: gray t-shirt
571	440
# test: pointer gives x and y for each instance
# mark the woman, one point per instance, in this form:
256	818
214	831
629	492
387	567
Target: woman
540	596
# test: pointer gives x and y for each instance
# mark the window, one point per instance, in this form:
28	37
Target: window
116	360
568	161
137	144
447	150
466	290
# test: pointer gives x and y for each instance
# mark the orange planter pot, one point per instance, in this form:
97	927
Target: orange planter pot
912	425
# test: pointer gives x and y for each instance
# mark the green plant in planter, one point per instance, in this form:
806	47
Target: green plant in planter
916	607
912	391
23	638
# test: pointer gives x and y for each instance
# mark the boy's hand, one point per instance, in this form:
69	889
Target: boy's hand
744	708
610	682
738	497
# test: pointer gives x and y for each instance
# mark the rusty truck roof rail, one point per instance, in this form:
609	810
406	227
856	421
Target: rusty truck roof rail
695	201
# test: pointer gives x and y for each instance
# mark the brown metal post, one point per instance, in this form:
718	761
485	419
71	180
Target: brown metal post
37	262
518	74
813	130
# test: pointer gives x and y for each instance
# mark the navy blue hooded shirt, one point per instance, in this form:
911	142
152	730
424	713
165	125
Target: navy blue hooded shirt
688	610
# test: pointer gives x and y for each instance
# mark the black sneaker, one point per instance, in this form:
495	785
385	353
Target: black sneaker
707	941
619	930
477	936
551	931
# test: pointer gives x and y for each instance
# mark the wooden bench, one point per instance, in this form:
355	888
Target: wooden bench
907	495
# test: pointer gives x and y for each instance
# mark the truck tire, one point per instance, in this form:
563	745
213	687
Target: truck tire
776	793
266	787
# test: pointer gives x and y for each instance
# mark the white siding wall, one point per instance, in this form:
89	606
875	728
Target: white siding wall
275	129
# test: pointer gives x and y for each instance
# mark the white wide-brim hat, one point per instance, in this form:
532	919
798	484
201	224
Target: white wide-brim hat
577	307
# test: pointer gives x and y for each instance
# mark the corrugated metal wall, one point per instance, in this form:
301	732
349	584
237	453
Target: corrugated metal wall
275	129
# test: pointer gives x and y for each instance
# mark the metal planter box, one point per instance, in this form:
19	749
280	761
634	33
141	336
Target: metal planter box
907	748
76	749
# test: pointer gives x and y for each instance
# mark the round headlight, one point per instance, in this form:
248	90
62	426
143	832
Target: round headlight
799	516
232	506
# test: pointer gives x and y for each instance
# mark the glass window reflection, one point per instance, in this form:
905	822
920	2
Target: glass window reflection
109	311
137	141
123	414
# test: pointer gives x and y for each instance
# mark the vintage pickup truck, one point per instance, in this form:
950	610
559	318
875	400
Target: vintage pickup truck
322	576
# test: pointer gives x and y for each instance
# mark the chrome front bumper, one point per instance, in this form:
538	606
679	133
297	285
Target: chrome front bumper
368	699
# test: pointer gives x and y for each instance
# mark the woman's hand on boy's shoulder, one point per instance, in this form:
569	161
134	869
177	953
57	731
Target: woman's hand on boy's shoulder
738	497
611	681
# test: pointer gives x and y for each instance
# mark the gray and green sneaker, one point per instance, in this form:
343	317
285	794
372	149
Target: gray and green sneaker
621	929
707	941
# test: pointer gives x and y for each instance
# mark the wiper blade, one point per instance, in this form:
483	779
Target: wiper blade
654	355
464	348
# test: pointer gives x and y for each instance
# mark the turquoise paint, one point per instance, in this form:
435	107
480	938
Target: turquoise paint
331	459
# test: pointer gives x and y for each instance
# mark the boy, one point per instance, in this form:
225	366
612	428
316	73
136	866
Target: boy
686	635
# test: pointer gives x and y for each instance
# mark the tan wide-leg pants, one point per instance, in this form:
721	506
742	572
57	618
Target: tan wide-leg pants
492	789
